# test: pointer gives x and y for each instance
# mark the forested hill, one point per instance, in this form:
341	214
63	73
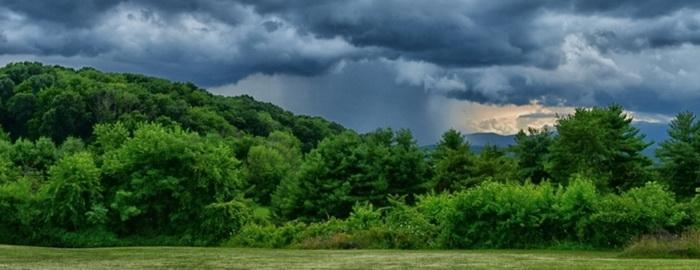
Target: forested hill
101	159
40	100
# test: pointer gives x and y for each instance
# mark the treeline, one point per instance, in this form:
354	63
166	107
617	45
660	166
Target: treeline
100	159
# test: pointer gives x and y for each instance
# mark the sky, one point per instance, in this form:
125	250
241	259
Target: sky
472	65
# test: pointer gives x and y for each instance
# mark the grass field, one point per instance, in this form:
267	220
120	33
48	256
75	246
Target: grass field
19	257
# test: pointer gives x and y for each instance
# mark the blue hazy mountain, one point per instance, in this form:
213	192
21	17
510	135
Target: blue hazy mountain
654	133
477	141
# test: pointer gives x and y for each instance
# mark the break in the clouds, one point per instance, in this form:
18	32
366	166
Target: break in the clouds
475	65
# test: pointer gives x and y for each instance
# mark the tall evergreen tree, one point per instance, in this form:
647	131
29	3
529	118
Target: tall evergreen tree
531	150
680	155
600	143
452	163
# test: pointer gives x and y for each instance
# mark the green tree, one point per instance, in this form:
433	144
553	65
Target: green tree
36	156
3	135
265	169
8	171
67	116
531	150
680	155
452	163
71	146
267	164
7	87
21	107
601	144
493	164
206	121
73	191
405	169
164	177
351	168
109	136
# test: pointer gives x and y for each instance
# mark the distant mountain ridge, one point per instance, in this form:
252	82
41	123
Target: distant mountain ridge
654	133
489	138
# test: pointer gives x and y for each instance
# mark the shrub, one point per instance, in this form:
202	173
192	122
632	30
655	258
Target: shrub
72	191
495	215
17	214
575	204
269	236
222	220
253	235
363	217
409	228
619	218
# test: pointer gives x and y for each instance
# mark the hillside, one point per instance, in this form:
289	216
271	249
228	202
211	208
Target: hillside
89	159
57	102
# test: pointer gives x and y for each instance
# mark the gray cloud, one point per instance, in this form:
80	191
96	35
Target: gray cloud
632	8
538	115
362	104
186	44
569	53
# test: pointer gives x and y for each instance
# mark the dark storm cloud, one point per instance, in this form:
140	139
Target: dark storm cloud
451	33
474	33
209	42
633	8
579	52
66	12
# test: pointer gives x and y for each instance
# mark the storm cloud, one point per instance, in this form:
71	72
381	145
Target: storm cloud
394	58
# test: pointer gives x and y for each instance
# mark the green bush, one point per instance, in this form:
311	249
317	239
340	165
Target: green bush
73	193
363	216
163	178
575	204
619	218
409	228
270	236
17	212
222	220
495	215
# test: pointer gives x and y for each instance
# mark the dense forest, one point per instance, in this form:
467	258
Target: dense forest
89	158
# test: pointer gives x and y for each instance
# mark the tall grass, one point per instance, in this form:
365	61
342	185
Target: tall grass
665	245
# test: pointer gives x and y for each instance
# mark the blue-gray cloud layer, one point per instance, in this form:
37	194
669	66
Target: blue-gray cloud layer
582	52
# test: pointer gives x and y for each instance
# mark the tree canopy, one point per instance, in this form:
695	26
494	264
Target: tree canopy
89	158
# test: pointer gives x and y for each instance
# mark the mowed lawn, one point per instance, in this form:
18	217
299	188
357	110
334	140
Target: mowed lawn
20	257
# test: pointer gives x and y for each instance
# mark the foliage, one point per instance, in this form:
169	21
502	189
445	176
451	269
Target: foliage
100	159
638	211
599	143
493	164
351	168
223	220
74	193
680	155
269	163
164	177
500	215
452	163
58	102
531	150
